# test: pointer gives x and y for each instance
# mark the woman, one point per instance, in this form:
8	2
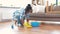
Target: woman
23	14
28	10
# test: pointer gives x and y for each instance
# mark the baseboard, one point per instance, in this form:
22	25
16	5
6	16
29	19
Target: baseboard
6	20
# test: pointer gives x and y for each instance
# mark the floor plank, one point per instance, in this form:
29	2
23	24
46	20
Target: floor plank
5	28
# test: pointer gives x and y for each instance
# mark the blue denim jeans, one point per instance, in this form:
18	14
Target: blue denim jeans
19	21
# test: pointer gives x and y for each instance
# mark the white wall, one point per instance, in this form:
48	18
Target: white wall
6	13
15	3
0	15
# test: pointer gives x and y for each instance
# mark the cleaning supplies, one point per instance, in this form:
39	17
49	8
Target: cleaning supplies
35	24
26	24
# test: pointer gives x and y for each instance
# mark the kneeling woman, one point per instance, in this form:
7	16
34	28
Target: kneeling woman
22	14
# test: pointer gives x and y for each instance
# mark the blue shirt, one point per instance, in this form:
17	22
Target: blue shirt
20	14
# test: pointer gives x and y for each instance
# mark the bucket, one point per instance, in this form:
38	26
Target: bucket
35	24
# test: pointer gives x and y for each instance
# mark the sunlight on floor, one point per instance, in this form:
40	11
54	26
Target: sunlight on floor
35	30
6	31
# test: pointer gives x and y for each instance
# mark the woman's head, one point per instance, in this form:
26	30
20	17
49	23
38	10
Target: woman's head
28	9
28	5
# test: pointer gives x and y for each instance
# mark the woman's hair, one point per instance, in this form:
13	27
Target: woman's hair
28	8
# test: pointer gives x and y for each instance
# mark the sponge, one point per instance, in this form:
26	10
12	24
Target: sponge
26	24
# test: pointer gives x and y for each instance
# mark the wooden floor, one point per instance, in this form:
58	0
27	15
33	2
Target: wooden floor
5	28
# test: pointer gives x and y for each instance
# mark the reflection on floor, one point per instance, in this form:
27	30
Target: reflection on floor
5	28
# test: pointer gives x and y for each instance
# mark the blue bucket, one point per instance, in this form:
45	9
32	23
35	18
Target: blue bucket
35	24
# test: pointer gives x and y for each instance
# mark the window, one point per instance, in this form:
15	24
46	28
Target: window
52	1
58	2
49	2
